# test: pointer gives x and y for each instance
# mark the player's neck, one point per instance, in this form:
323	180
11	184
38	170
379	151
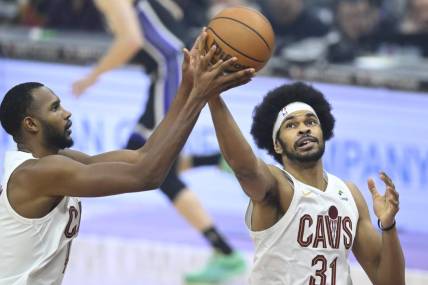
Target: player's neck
308	173
36	150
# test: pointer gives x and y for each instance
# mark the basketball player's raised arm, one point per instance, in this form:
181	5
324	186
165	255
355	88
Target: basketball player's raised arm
128	40
183	92
253	174
57	175
131	156
380	255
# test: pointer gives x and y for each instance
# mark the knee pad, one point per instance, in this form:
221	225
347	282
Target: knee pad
135	141
172	184
199	160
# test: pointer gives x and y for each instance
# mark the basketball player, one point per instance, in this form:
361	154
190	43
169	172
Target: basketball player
304	220
39	216
151	26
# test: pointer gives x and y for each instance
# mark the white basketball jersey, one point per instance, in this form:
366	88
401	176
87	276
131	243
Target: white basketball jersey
34	251
310	244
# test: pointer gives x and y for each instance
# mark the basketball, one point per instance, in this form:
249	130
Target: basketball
243	33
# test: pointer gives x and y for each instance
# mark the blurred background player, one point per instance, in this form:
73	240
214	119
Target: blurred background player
154	30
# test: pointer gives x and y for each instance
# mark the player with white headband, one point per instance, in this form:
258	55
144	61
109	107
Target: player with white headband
285	112
303	220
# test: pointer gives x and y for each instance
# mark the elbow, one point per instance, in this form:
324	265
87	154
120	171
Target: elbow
137	42
133	43
151	182
151	179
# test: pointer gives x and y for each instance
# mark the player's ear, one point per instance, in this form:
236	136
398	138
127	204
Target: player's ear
277	147
30	124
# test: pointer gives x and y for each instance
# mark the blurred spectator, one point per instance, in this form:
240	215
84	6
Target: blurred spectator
195	12
416	20
73	15
362	27
30	12
292	21
414	27
193	17
8	11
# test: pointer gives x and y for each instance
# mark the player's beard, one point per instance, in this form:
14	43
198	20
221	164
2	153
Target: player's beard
55	138
303	158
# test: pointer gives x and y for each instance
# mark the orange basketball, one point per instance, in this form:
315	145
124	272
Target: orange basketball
244	33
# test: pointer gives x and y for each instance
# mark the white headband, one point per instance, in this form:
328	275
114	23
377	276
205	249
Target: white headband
285	112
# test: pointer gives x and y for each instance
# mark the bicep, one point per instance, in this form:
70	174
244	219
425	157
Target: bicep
76	155
125	155
367	244
66	177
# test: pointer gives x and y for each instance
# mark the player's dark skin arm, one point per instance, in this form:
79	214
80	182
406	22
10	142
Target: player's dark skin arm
178	103
380	255
37	186
253	174
132	156
266	185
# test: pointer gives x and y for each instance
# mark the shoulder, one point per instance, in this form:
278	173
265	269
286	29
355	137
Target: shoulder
76	155
284	186
311	18
358	197
45	167
280	175
354	189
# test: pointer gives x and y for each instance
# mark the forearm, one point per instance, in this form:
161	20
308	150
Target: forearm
391	268
120	52
172	114
235	148
163	148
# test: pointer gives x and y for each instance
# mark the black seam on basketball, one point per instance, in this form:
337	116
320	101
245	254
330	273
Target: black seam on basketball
249	27
238	51
255	11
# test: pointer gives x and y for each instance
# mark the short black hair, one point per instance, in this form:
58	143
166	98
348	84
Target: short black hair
264	114
16	105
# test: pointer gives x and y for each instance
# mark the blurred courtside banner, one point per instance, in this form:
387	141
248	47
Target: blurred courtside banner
376	129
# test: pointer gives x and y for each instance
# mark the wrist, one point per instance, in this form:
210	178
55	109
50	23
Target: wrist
198	95
387	227
185	88
93	76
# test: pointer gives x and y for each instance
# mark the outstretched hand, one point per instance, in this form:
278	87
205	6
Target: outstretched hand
385	206
210	80
189	56
80	86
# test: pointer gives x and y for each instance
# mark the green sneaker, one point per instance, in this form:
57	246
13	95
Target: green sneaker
219	268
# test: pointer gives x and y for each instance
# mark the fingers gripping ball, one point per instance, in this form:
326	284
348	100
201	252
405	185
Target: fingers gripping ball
243	33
